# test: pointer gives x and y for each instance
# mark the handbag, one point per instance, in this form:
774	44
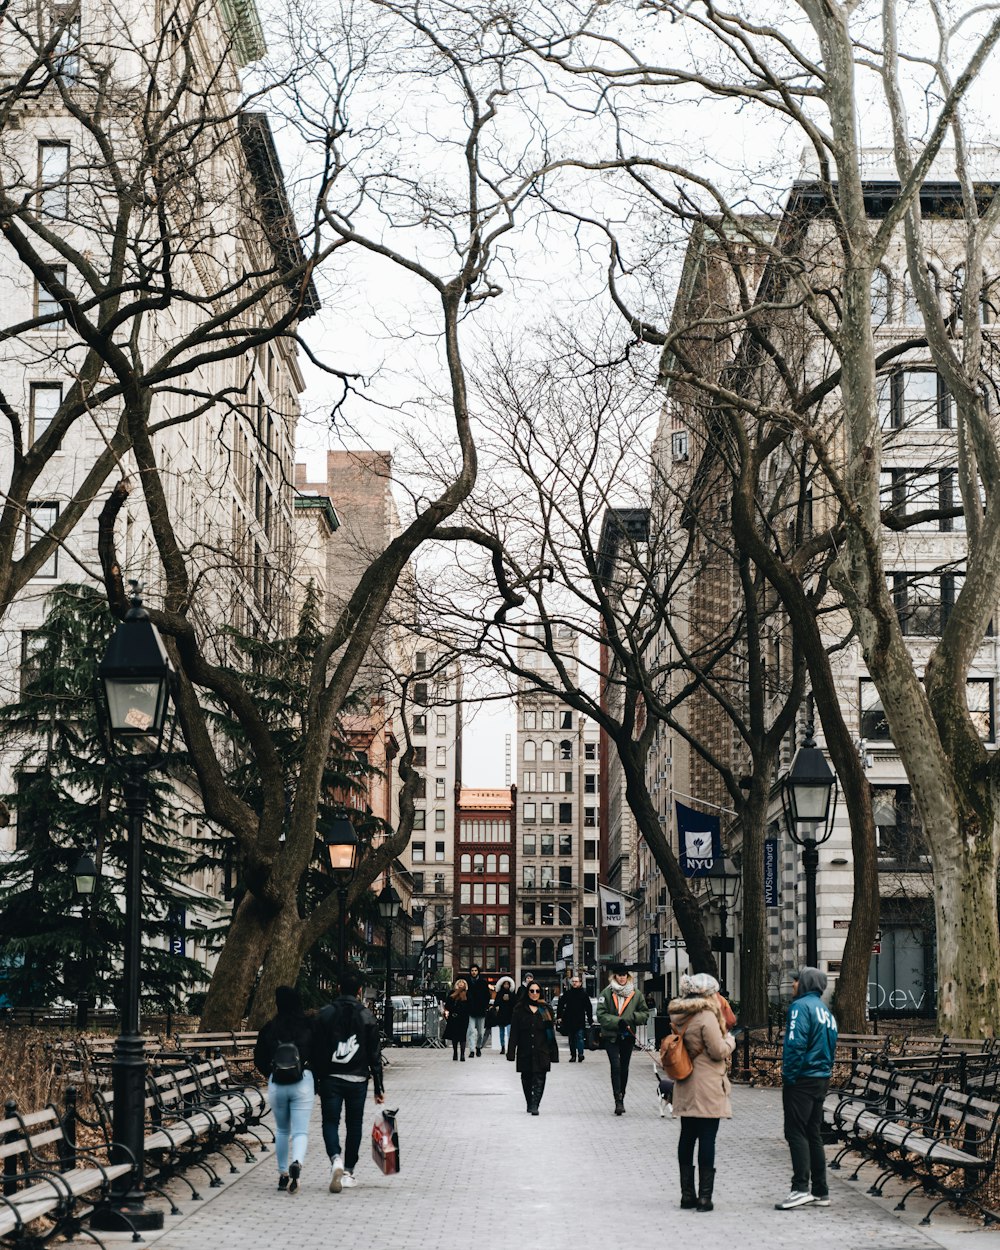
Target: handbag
594	1040
674	1058
385	1142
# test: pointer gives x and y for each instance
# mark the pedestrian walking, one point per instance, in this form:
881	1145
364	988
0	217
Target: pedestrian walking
806	1065
479	1003
284	1053
503	1005
532	1046
348	1053
703	1098
621	1009
456	1010
573	1016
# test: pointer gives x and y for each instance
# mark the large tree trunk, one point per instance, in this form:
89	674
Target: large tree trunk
281	963
753	939
239	962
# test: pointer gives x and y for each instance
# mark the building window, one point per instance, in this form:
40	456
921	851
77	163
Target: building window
881	297
420	693
503	894
438	820
679	445
548	719
565	877
465	893
567	783
477	892
530	718
505	863
548	782
898	832
590	882
439	783
439	883
420	724
528	952
548	814
478	863
546	876
419	818
547	914
441	757
417	851
590	918
465	863
565	913
528	876
565	749
528	844
419	757
911	492
590	849
590	750
874	726
31	644
979	695
529	779
566	720
548	844
590	783
924	601
40	520
439	850
565	813
32	821
491	894
442	725
421	661
421	788
565	844
44	404
46	305
914	399
491	863
530	750
548	751
53	179
528	813
590	820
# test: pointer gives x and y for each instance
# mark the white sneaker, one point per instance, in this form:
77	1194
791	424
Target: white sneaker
821	1202
336	1175
795	1199
348	1181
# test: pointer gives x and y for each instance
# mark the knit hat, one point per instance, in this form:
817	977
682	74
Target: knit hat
698	985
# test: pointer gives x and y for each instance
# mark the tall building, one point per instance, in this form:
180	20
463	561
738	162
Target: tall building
484	902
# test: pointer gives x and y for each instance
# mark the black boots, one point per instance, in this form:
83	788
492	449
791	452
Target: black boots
706	1183
688	1199
537	1089
619	1105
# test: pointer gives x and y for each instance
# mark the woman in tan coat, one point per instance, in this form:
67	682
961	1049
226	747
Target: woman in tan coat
702	1098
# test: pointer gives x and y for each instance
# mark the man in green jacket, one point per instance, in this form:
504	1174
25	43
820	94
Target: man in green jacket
620	1011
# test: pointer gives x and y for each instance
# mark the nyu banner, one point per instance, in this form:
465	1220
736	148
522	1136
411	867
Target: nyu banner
700	840
612	907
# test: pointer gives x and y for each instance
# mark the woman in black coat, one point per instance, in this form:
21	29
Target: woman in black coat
503	1005
456	1009
532	1046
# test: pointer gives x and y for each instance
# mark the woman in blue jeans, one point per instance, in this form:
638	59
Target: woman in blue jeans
291	1100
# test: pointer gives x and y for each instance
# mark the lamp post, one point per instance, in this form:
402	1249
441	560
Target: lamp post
342	847
135	678
388	909
809	797
85	879
724	888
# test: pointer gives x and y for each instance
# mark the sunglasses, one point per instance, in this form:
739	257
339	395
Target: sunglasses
534	991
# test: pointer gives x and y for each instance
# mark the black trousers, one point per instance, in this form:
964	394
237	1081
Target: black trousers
703	1131
620	1056
803	1106
533	1084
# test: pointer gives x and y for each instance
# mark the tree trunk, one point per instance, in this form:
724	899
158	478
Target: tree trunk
282	962
239	962
753	939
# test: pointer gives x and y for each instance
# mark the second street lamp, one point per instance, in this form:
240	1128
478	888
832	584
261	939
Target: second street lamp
135	679
388	908
342	847
809	797
724	888
85	880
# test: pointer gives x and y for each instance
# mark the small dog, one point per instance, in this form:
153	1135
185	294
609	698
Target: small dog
664	1091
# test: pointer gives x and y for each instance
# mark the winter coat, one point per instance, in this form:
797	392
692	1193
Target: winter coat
574	1009
532	1043
457	1010
705	1093
504	1004
635	1013
810	1031
299	1029
348	1041
478	995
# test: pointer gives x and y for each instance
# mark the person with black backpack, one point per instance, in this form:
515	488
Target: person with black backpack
348	1053
284	1054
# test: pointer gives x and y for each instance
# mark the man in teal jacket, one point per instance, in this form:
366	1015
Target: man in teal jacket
806	1066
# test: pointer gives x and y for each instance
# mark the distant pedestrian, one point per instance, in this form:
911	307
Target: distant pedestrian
479	1003
456	1010
701	1099
806	1066
533	1047
573	1016
621	1009
503	1005
284	1054
348	1055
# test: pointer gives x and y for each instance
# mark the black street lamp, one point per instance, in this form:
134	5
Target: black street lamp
85	881
342	847
723	884
388	909
809	797
135	679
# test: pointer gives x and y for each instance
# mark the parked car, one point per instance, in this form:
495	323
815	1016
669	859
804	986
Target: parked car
409	1018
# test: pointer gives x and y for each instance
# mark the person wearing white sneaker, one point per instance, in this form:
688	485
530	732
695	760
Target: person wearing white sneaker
806	1065
336	1175
349	1181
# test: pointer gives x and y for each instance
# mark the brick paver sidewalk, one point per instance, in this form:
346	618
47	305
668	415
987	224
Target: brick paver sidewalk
478	1171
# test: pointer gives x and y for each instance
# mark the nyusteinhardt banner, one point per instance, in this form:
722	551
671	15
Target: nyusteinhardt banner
700	840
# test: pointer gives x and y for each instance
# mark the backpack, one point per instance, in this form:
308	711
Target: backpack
342	1028
674	1058
286	1066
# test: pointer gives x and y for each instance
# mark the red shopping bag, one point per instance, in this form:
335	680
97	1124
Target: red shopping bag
385	1142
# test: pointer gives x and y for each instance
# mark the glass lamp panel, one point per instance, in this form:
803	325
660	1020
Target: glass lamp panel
810	801
135	707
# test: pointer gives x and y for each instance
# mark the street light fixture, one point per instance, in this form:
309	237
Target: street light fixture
809	797
388	908
85	883
342	846
724	883
135	679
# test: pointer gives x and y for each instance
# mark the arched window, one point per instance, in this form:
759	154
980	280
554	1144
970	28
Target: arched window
505	863
529	750
548	751
478	863
881	297
911	310
986	312
547	951
528	949
491	863
565	749
466	863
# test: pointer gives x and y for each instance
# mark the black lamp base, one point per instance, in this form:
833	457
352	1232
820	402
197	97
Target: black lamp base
124	1217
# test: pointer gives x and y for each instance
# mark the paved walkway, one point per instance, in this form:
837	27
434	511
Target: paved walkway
478	1171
